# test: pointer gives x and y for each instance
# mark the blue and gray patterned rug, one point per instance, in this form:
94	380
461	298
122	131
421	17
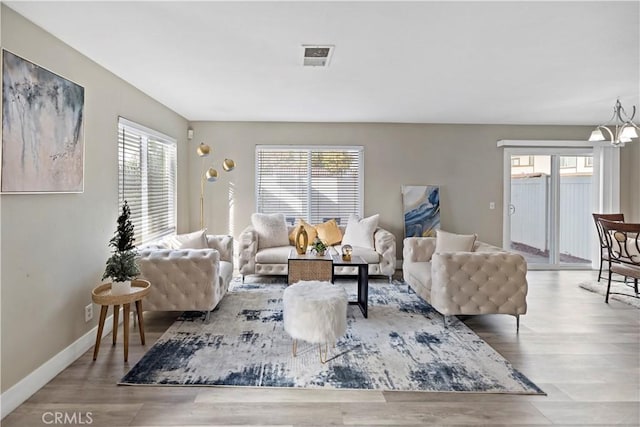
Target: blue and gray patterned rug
403	345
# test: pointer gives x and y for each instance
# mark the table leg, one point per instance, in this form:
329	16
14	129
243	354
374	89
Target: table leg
140	324
125	318
116	313
103	316
363	289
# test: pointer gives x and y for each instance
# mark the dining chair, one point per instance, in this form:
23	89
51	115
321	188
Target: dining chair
623	246
604	254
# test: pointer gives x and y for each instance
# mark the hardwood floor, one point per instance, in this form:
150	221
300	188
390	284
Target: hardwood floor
581	351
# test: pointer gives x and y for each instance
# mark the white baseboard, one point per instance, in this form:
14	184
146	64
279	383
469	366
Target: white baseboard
20	392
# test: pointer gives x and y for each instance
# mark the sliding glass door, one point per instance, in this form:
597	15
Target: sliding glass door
549	198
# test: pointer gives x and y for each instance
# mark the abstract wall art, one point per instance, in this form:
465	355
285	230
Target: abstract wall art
42	130
421	208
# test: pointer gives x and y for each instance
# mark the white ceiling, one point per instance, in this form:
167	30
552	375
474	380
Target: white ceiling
410	62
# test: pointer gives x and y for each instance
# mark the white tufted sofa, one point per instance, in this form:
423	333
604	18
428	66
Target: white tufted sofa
187	279
488	280
274	261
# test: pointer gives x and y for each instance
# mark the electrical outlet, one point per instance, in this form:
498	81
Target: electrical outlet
88	313
492	205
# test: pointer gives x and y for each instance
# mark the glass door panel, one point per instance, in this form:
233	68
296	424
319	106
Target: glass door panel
529	208
549	208
575	209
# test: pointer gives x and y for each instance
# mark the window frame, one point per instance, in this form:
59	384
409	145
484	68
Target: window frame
310	149
159	137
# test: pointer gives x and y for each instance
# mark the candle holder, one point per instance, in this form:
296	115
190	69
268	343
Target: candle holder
347	250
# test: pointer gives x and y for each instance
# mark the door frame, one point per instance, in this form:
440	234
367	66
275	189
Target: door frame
605	184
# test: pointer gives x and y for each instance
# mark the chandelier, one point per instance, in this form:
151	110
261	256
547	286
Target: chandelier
619	129
209	175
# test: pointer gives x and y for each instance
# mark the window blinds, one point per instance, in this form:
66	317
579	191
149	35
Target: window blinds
313	183
147	164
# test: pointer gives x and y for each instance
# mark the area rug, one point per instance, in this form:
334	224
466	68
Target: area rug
402	345
619	287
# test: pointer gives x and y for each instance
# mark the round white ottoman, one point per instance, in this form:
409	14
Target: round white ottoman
315	312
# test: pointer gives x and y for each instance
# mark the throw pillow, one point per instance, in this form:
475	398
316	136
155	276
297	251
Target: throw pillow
450	242
310	229
329	232
359	232
195	240
271	230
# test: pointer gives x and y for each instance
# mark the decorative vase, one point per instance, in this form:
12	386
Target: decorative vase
121	288
302	240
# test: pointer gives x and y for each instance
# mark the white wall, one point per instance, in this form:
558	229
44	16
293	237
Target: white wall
463	159
54	246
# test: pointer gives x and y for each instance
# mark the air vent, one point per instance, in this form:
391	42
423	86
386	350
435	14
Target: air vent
316	55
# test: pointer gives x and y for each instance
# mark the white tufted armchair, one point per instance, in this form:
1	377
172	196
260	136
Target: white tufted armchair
488	280
187	279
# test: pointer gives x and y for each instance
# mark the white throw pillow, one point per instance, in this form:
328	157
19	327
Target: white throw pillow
271	230
195	240
359	232
450	242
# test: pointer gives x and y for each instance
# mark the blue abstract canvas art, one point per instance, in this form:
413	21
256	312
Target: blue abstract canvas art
421	208
42	129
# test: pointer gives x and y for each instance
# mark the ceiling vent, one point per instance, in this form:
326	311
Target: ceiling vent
316	55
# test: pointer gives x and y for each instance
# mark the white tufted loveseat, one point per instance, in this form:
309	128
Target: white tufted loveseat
488	280
187	279
274	261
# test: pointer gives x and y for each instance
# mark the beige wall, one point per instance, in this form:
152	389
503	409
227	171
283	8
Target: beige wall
630	181
54	246
463	159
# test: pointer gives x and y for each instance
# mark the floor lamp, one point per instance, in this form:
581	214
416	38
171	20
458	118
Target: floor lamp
209	175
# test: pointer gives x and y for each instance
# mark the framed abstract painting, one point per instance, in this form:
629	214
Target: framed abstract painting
421	209
42	130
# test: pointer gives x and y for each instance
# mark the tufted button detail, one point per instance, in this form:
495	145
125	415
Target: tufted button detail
384	245
185	279
486	281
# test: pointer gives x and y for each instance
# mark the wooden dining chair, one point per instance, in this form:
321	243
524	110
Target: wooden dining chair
623	246
604	254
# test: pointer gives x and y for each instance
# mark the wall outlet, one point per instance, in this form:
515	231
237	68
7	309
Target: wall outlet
492	205
88	313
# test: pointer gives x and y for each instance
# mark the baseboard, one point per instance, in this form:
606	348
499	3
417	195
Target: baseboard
20	392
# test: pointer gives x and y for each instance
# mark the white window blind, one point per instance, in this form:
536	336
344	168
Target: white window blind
310	182
147	164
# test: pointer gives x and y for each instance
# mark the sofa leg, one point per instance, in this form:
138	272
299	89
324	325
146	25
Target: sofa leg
390	279
207	317
517	323
445	319
243	278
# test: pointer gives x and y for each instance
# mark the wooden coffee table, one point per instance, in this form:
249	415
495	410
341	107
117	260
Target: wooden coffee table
102	295
363	280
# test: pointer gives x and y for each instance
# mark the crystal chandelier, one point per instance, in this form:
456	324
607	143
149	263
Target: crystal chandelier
619	128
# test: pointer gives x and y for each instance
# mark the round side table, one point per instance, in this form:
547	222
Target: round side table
102	296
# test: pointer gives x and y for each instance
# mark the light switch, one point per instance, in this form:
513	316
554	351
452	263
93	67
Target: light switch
492	205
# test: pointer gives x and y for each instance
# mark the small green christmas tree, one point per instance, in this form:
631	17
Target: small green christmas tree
121	266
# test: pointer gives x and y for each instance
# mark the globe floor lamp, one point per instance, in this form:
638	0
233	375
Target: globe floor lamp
209	175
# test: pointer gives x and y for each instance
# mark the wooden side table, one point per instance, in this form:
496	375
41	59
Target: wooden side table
102	296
